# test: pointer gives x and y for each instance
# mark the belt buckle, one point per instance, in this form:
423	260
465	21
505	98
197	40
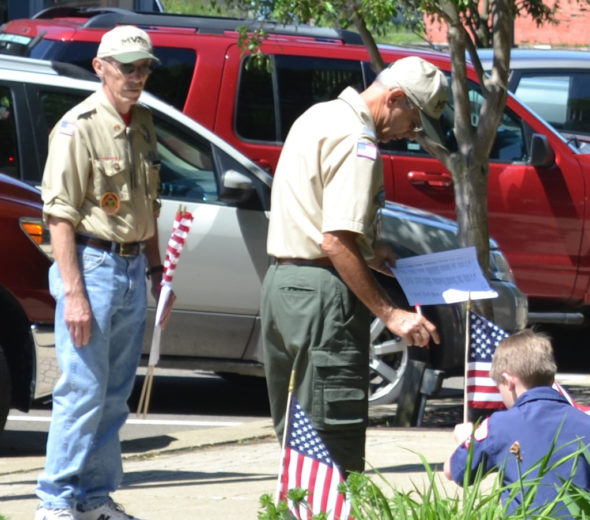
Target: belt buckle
128	249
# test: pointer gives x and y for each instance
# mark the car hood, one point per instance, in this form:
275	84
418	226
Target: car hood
420	232
13	189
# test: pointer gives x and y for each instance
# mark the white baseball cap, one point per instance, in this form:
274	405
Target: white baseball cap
425	85
126	43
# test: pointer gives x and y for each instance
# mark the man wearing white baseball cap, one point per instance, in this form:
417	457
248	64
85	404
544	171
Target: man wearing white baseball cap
319	292
100	194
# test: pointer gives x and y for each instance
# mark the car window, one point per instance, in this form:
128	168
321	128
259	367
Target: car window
170	80
269	100
510	143
9	150
187	167
561	99
56	103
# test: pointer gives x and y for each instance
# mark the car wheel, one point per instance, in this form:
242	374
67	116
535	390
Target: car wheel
5	389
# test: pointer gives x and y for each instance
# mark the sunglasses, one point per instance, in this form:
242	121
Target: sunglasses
127	69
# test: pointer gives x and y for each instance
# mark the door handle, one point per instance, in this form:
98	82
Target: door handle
433	180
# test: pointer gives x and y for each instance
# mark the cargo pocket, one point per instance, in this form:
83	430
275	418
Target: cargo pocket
339	389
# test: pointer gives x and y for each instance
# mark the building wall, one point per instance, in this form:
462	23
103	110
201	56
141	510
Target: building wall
573	29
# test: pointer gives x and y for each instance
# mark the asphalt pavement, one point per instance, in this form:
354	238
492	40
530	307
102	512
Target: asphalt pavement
221	473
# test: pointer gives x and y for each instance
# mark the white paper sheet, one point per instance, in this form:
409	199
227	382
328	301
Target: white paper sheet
446	277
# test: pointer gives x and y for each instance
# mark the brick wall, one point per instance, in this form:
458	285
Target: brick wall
573	29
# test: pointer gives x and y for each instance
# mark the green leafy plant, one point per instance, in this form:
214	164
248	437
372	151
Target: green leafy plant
379	500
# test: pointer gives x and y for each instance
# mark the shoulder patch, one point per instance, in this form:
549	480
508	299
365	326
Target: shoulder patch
67	128
479	434
367	150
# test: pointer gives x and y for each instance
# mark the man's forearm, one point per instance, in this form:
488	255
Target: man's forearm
343	251
63	243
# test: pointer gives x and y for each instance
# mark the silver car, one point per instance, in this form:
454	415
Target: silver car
216	321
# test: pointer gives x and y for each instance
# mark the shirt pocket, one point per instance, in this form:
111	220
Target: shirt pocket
111	176
152	178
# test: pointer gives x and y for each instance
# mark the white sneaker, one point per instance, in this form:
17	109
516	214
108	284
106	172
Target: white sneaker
54	514
108	511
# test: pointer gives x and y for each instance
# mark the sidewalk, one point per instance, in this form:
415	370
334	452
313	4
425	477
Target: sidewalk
220	473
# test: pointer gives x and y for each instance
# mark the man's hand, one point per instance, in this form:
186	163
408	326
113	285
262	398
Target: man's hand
156	286
412	327
78	318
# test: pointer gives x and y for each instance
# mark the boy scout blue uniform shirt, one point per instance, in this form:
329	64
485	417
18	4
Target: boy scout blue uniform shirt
533	421
101	176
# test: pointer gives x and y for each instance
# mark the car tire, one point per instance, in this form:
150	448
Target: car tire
390	354
5	389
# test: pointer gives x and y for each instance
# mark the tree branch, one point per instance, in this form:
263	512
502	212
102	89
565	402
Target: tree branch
377	63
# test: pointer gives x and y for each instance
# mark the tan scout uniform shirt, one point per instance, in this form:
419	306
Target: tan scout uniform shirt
102	176
329	178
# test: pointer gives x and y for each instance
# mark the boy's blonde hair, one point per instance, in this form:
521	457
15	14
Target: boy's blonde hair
528	355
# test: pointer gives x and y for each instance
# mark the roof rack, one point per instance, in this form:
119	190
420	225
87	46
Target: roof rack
107	18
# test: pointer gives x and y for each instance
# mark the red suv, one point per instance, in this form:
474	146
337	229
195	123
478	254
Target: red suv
537	189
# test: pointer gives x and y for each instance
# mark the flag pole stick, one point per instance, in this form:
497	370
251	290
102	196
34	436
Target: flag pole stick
146	392
290	392
466	360
142	395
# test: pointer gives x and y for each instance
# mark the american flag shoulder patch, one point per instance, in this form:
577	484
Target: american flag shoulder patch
367	150
67	128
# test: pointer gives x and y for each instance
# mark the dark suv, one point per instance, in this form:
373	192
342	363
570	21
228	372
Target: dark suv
538	202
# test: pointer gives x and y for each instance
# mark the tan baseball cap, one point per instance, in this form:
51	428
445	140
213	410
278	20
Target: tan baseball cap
425	85
126	43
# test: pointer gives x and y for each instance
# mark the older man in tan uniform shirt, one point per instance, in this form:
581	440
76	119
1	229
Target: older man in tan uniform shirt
319	293
100	193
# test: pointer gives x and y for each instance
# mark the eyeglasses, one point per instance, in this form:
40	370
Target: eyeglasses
410	105
127	69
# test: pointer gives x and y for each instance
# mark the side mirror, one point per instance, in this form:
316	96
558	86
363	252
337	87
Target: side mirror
235	187
542	155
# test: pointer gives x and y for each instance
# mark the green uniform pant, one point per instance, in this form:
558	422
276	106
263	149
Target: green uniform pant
313	323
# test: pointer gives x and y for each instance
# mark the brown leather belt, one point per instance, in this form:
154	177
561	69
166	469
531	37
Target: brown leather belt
124	249
313	262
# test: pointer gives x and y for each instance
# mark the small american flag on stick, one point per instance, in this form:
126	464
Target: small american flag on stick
484	337
306	464
482	391
180	229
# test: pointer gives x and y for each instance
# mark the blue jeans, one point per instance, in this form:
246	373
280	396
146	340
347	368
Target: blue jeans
83	462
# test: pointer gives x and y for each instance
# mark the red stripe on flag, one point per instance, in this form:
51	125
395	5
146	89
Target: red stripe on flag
285	475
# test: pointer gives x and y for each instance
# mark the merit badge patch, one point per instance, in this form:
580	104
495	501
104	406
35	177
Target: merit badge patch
368	150
110	203
67	128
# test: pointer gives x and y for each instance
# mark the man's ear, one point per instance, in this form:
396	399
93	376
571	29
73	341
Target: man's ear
393	94
98	66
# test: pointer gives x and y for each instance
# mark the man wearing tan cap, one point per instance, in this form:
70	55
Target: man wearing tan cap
100	193
319	292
